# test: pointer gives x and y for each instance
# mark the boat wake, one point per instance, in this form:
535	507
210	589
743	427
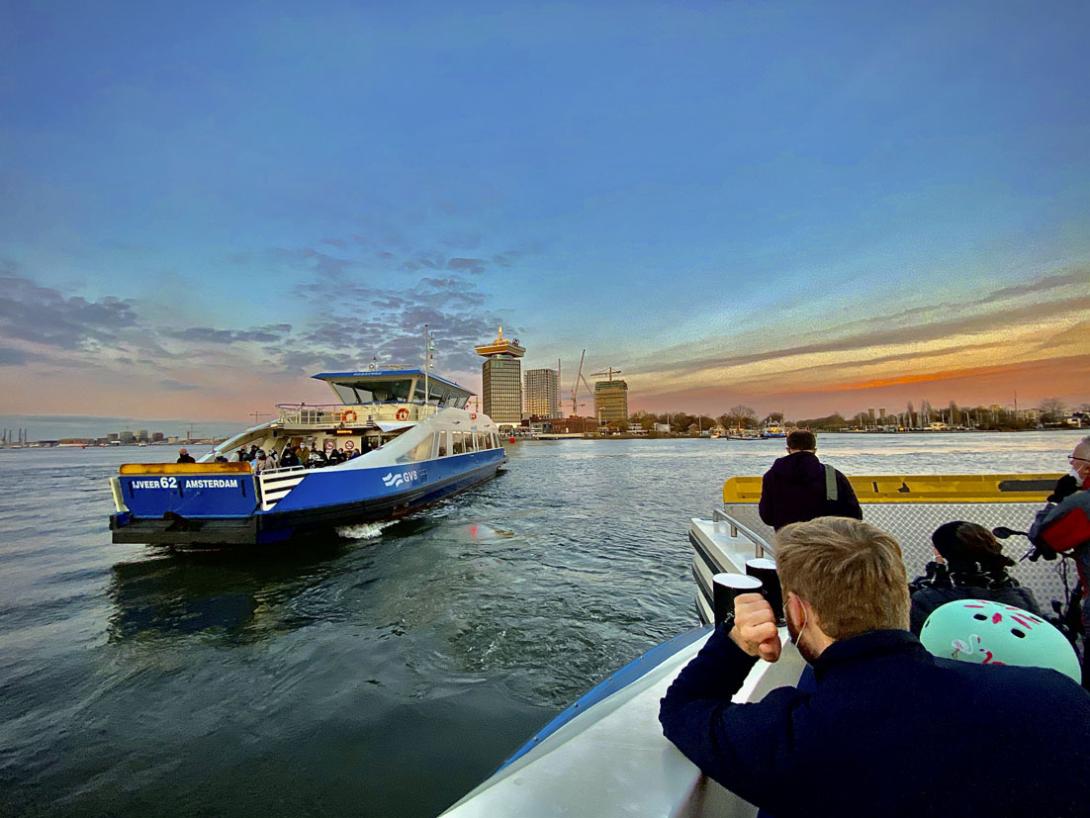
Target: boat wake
363	531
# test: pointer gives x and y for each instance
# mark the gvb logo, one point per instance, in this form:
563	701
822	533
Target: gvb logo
392	480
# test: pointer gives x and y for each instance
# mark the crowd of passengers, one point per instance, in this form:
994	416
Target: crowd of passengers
950	695
298	454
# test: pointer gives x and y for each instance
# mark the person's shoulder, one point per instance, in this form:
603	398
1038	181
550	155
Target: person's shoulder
1028	685
778	465
925	593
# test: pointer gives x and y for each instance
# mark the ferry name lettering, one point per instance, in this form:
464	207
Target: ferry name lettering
172	483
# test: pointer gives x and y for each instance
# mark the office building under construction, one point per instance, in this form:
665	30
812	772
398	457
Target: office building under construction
611	401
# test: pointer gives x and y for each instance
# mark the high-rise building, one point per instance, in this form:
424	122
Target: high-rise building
611	401
501	377
542	393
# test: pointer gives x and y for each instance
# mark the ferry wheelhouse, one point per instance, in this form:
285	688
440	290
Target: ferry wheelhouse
417	443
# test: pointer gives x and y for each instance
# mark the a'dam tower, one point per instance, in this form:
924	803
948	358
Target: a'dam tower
501	377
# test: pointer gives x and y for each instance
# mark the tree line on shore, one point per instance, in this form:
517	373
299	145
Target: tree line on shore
1050	411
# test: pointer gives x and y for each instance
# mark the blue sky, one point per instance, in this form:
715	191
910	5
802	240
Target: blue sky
201	203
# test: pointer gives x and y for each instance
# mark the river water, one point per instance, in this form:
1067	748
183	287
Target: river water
385	673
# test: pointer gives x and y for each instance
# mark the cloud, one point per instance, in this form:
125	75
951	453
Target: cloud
265	334
1039	311
467	265
10	356
42	315
177	386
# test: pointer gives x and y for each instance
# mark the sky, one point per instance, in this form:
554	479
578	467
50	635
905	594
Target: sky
803	207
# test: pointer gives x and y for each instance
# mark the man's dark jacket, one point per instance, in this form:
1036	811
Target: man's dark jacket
888	731
793	491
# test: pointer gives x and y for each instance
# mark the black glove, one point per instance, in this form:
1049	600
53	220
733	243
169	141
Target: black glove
1065	487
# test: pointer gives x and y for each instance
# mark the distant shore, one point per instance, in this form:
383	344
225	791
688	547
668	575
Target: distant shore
678	436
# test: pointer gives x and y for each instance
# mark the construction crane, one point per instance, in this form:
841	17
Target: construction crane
608	371
579	378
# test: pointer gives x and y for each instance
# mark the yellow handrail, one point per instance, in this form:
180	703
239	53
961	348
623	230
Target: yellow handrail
920	488
185	468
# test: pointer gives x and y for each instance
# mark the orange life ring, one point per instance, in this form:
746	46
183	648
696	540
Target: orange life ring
402	413
472	415
348	416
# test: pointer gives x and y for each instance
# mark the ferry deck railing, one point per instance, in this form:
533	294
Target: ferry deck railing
761	546
351	415
911	524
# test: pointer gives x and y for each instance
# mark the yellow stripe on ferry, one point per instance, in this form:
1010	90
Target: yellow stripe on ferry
918	488
185	468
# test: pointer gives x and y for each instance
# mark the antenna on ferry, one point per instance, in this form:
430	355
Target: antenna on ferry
429	349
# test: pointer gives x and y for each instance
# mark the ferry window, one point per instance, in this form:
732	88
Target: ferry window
443	449
459	443
421	451
495	443
391	390
478	439
346	393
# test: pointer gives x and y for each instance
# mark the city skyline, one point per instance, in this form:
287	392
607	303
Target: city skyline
803	208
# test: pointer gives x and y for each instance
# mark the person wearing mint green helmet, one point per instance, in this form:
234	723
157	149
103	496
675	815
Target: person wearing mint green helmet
991	633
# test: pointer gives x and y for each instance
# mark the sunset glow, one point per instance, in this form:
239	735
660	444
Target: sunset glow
799	207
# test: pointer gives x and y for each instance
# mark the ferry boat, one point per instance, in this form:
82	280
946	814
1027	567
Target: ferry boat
772	430
605	755
419	442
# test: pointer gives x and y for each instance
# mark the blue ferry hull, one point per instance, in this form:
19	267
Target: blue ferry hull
197	511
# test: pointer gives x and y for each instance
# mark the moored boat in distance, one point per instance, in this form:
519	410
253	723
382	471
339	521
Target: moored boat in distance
407	436
742	434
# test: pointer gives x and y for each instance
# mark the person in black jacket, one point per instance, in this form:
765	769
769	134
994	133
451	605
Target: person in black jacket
799	487
184	456
889	729
969	564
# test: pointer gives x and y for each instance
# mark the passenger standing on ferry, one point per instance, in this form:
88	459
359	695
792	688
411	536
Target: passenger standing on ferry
889	729
184	456
969	564
800	487
1063	526
289	458
261	462
304	454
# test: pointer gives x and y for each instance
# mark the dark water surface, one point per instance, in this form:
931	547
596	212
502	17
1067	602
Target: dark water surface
382	674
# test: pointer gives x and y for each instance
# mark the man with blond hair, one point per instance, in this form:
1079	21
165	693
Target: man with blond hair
888	729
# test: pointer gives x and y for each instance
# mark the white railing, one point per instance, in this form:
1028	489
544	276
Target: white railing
351	415
761	546
275	483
